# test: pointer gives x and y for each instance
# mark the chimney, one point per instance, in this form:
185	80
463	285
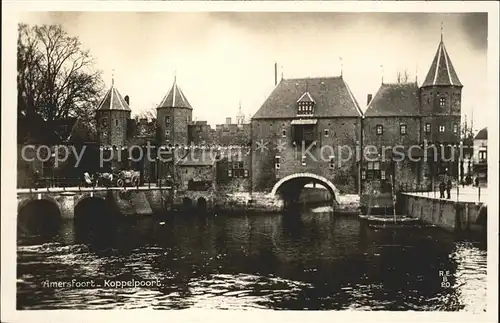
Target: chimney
127	99
275	73
228	120
368	99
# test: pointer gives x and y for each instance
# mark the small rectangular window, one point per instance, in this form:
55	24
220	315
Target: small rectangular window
427	127
382	174
277	162
246	173
455	128
482	155
303	160
229	173
370	166
441	128
116	122
402	129
332	162
376	165
327	132
363	175
283	133
442	102
380	129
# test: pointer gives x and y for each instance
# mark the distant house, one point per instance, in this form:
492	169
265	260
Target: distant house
480	156
197	170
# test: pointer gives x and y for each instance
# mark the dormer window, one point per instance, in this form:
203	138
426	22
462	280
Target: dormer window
305	104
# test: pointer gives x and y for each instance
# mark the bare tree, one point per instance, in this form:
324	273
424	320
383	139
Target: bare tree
149	114
55	75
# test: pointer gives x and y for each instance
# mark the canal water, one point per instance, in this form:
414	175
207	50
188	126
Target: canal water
312	260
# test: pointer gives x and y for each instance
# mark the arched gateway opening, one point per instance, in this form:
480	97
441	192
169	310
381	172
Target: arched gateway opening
293	188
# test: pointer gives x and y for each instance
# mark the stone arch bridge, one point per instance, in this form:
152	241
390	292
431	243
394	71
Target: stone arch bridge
128	201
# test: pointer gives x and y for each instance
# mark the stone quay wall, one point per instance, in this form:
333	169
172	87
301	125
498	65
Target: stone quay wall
449	215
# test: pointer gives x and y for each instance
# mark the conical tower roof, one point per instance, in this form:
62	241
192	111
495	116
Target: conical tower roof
175	98
442	72
113	100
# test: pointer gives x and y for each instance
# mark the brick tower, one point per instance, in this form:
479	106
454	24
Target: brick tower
440	108
173	116
112	115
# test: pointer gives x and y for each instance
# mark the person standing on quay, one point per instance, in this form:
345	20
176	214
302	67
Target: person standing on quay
441	189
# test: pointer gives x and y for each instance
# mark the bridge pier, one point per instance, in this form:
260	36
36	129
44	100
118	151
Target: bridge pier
66	203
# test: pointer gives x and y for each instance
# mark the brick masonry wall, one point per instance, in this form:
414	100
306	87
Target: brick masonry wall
225	135
200	134
341	132
178	126
391	131
430	100
114	123
196	173
234	184
436	115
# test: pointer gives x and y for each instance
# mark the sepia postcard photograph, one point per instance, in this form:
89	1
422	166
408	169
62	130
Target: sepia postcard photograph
279	161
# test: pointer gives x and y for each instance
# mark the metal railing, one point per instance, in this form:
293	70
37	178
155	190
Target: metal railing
66	182
457	192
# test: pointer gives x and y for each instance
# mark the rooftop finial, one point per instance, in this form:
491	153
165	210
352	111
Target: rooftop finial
113	78
341	66
382	72
416	73
175	76
441	31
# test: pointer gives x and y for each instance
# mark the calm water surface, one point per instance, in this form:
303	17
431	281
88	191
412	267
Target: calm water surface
306	261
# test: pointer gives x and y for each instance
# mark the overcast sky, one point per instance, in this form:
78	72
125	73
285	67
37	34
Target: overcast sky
223	58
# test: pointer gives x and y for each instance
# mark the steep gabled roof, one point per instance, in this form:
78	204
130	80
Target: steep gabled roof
482	134
442	72
175	98
113	100
332	98
400	99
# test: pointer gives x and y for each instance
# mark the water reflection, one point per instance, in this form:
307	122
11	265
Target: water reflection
291	261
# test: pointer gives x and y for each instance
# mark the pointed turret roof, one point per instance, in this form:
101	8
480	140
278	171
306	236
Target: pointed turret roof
175	98
442	71
113	100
